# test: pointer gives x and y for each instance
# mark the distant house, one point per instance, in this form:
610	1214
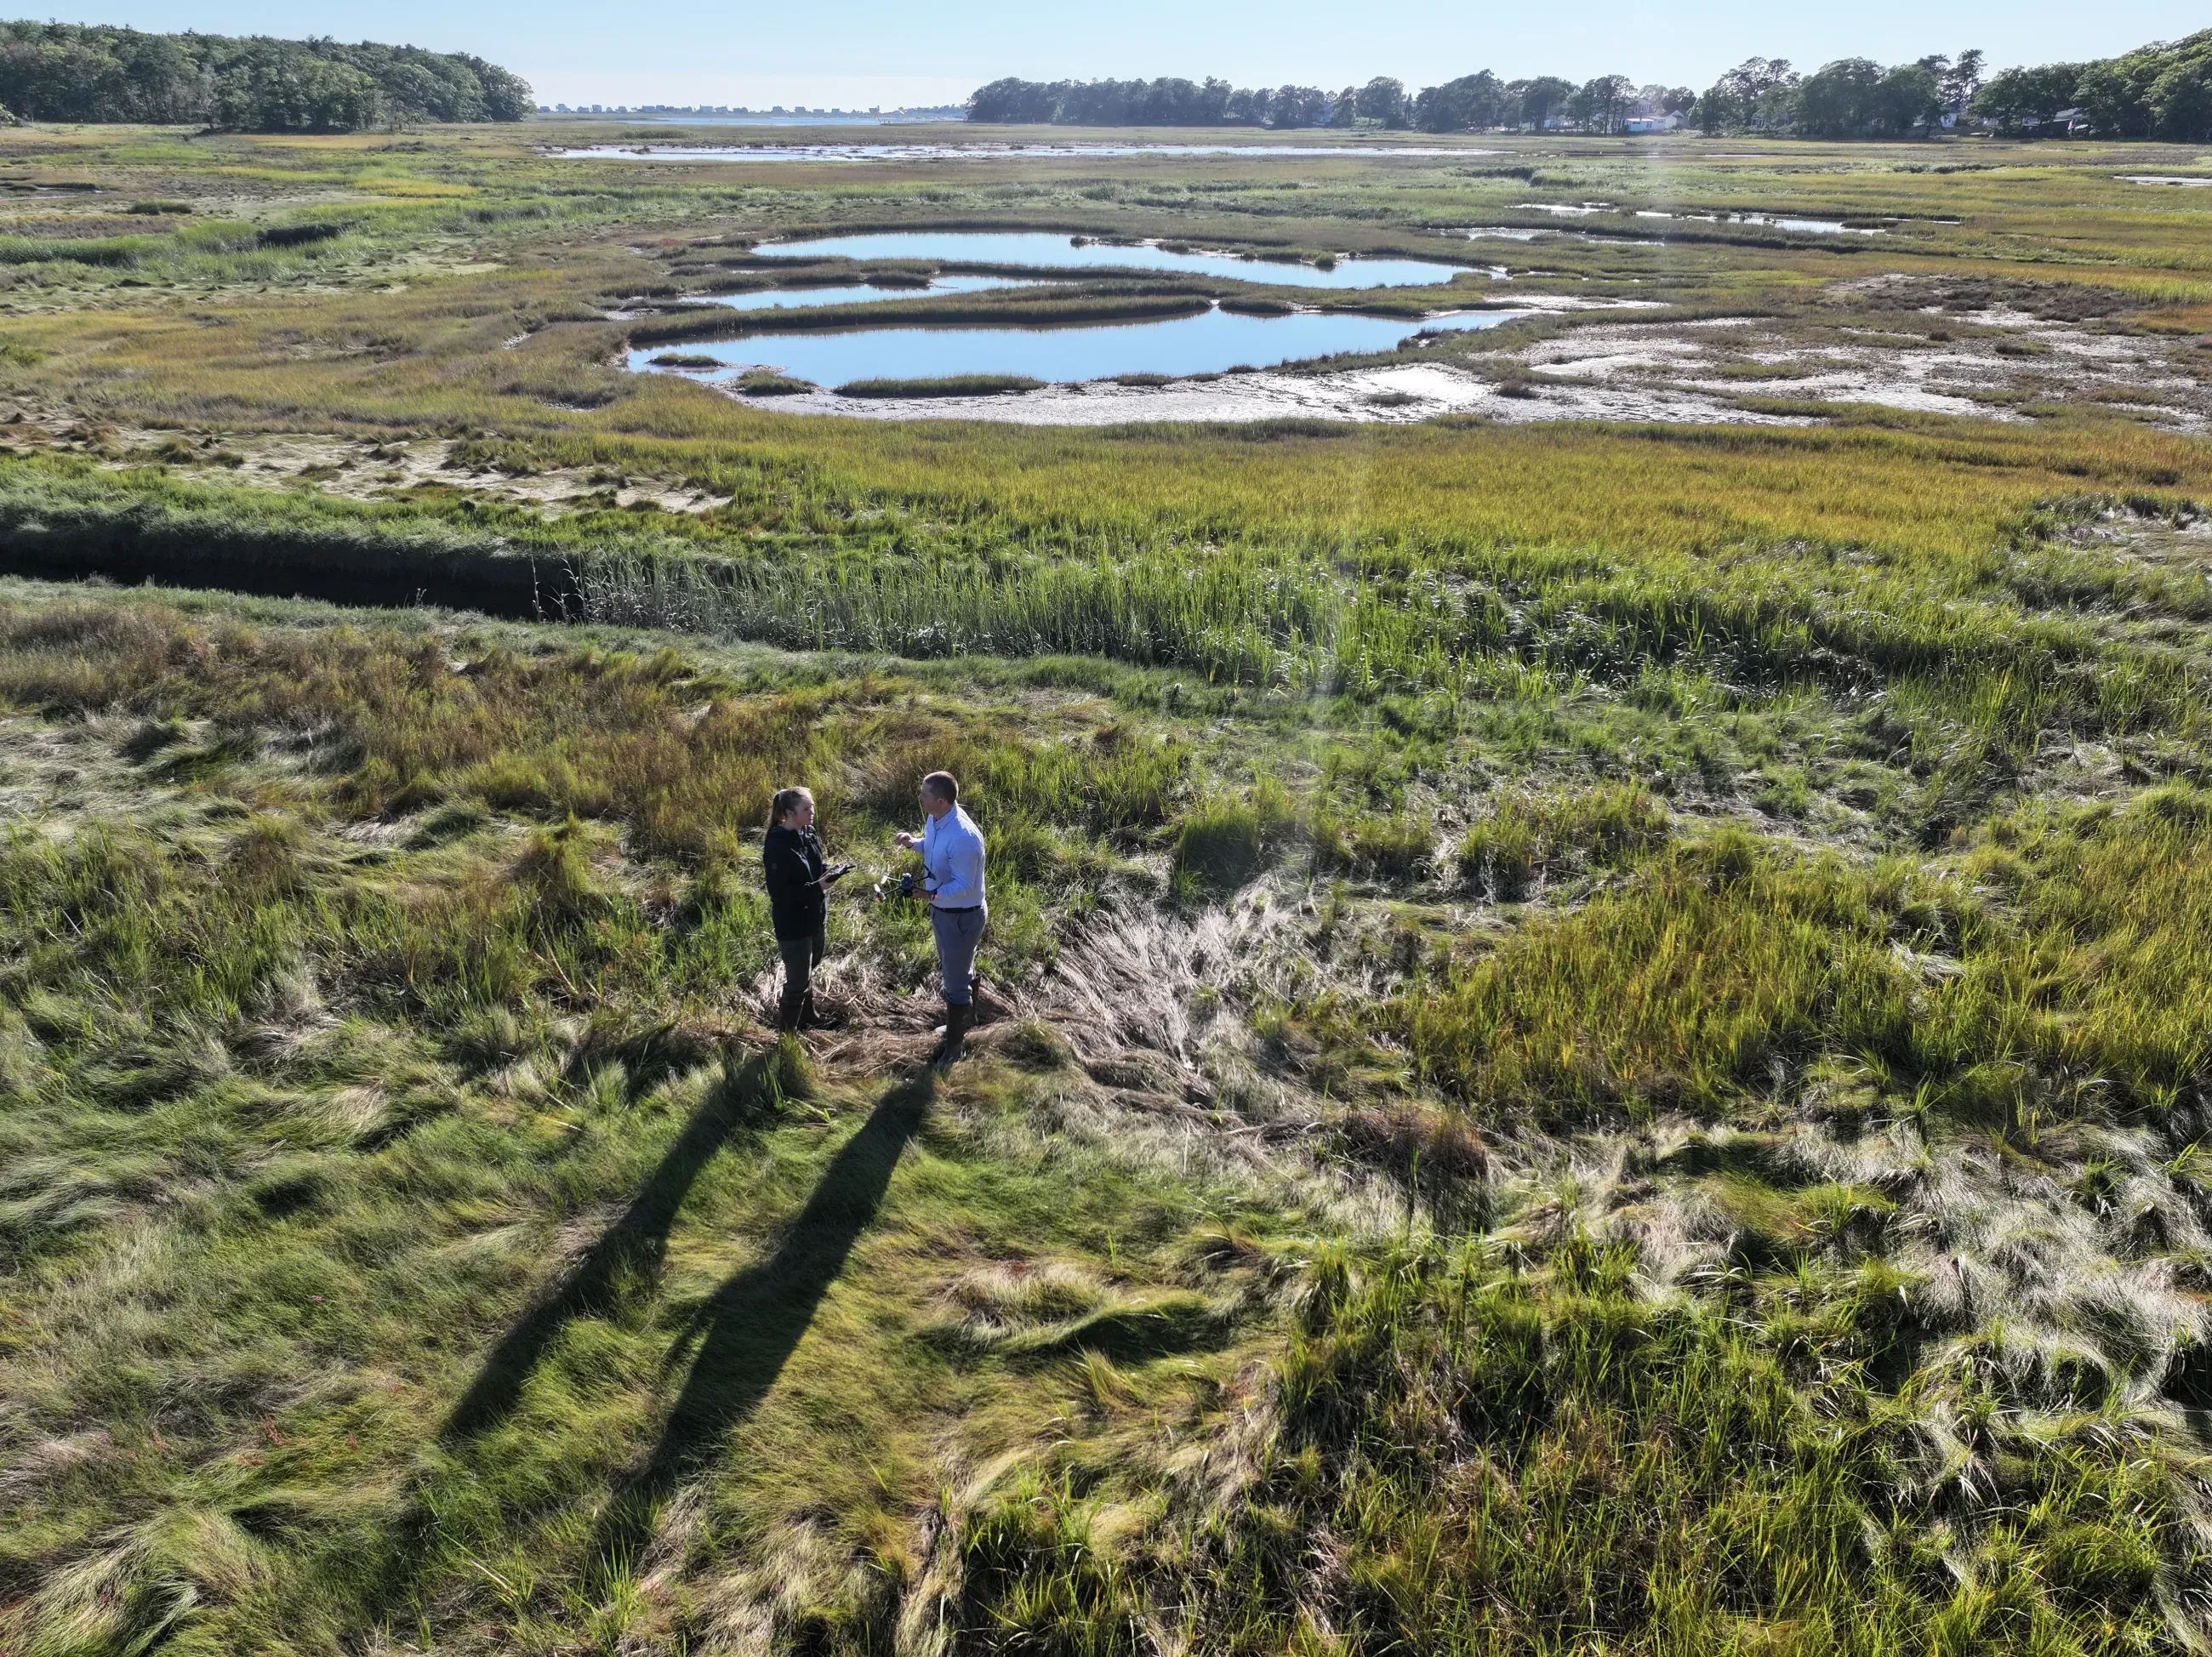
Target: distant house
1666	122
2065	124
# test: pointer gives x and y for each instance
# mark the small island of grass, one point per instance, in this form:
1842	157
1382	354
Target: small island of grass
950	386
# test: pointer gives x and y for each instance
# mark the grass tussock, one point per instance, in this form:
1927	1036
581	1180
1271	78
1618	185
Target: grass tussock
1722	960
1535	1432
948	386
1526	838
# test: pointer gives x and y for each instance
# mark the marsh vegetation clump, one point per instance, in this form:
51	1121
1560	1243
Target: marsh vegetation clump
945	385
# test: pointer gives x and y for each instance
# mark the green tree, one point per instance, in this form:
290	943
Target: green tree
69	72
1541	97
1962	79
279	88
2181	100
1857	97
2116	94
1383	100
1297	105
1601	105
1836	100
1471	102
2157	91
2017	98
1755	94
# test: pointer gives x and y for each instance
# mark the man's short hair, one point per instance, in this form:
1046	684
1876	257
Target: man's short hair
940	783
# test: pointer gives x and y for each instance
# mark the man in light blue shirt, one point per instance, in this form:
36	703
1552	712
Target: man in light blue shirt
951	848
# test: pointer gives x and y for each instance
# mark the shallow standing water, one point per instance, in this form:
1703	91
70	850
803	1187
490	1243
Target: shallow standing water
983	152
1042	251
1779	221
1207	343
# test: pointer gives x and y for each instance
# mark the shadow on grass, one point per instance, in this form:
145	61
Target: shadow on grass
741	1338
636	1240
744	1335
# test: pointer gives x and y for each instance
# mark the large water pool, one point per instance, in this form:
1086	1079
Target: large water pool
1040	250
1207	342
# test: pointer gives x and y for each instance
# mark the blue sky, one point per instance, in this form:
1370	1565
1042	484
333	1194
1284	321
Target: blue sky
860	52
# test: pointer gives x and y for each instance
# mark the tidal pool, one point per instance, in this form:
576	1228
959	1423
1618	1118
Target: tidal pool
975	152
1780	221
784	299
1207	342
1045	252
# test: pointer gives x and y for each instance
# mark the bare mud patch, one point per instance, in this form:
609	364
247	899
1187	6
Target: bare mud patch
1390	393
1987	376
354	468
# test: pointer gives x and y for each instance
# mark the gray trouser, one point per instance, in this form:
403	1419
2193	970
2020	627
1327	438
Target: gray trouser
958	931
801	956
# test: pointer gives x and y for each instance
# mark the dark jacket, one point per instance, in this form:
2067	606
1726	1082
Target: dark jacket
792	862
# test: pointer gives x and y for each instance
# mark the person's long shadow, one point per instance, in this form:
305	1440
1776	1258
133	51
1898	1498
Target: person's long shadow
747	1092
745	1334
633	1242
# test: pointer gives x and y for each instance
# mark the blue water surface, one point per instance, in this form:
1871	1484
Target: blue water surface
1207	342
1042	251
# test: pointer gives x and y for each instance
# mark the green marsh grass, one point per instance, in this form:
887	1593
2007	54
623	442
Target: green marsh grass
411	1229
1722	960
948	386
1606	1045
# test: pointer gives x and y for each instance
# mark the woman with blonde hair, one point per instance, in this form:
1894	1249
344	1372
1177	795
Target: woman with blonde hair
799	880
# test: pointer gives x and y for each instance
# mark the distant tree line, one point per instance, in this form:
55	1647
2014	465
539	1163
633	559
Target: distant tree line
1850	98
2163	90
2159	91
71	72
1471	103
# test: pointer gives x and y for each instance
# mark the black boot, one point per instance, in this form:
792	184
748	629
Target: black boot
791	1008
811	1017
958	1021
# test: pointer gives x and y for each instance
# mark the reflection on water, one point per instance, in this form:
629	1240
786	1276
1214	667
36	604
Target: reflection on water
981	152
1585	209
785	299
2180	179
1815	227
1514	233
1050	253
1205	343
